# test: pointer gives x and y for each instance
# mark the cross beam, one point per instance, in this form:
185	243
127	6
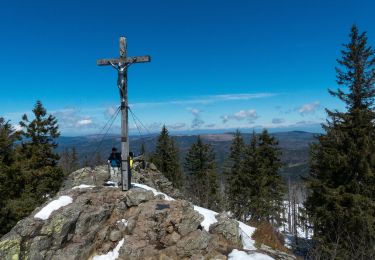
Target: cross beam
121	64
129	60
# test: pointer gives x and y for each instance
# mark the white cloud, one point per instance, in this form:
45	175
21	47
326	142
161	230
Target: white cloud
197	120
309	108
70	119
207	99
177	126
249	115
84	122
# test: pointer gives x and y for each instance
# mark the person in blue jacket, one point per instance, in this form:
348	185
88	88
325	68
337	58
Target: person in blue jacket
114	162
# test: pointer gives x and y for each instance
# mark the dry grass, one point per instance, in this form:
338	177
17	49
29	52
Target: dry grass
267	235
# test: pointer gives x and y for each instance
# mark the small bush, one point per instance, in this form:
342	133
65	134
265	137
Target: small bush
267	235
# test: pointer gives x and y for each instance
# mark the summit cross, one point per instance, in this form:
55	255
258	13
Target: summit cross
121	64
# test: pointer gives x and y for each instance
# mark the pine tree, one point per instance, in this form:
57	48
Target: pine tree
74	162
143	149
9	177
342	178
42	176
253	183
235	185
273	185
201	173
166	158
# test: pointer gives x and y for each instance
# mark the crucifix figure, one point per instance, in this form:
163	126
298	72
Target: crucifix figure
121	64
121	77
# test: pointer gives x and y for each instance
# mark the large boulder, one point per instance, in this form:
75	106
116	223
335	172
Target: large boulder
227	228
100	218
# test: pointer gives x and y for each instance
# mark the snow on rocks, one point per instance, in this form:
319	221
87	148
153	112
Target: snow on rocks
153	190
122	221
246	233
111	255
209	217
83	186
241	255
45	212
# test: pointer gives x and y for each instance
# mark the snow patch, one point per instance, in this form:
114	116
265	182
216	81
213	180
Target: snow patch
152	189
246	232
111	255
83	186
209	217
45	212
241	255
123	221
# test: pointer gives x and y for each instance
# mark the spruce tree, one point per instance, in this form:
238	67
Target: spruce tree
201	173
41	175
273	185
235	182
342	178
74	161
256	186
253	183
9	177
166	157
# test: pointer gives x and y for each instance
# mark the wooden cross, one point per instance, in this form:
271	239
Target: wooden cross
122	63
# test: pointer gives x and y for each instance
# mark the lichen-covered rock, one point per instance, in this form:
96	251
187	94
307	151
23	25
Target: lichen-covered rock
228	228
136	196
10	247
99	218
192	244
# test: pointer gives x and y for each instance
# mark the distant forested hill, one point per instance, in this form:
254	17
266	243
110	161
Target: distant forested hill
294	146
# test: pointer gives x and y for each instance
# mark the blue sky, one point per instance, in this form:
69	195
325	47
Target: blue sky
215	64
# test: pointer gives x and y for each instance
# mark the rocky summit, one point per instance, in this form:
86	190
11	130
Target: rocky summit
87	220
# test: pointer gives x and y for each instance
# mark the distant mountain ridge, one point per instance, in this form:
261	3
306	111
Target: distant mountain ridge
294	146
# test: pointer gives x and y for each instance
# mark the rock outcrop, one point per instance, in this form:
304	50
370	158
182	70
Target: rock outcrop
137	224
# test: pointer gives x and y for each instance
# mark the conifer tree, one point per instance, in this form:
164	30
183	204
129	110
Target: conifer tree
256	188
41	174
235	182
268	155
253	184
143	149
201	173
74	159
342	177
166	157
9	177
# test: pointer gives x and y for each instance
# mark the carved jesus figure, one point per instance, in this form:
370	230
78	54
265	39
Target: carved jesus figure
121	69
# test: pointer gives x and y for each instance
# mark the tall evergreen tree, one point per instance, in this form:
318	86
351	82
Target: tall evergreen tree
342	178
74	159
273	185
235	183
201	173
256	188
9	177
166	157
42	176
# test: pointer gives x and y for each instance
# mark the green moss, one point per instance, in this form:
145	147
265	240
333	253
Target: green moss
54	227
10	248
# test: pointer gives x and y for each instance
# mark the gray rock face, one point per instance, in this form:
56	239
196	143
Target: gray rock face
100	217
228	228
136	196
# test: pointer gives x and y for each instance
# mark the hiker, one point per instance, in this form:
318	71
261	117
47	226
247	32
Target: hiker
114	162
131	155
